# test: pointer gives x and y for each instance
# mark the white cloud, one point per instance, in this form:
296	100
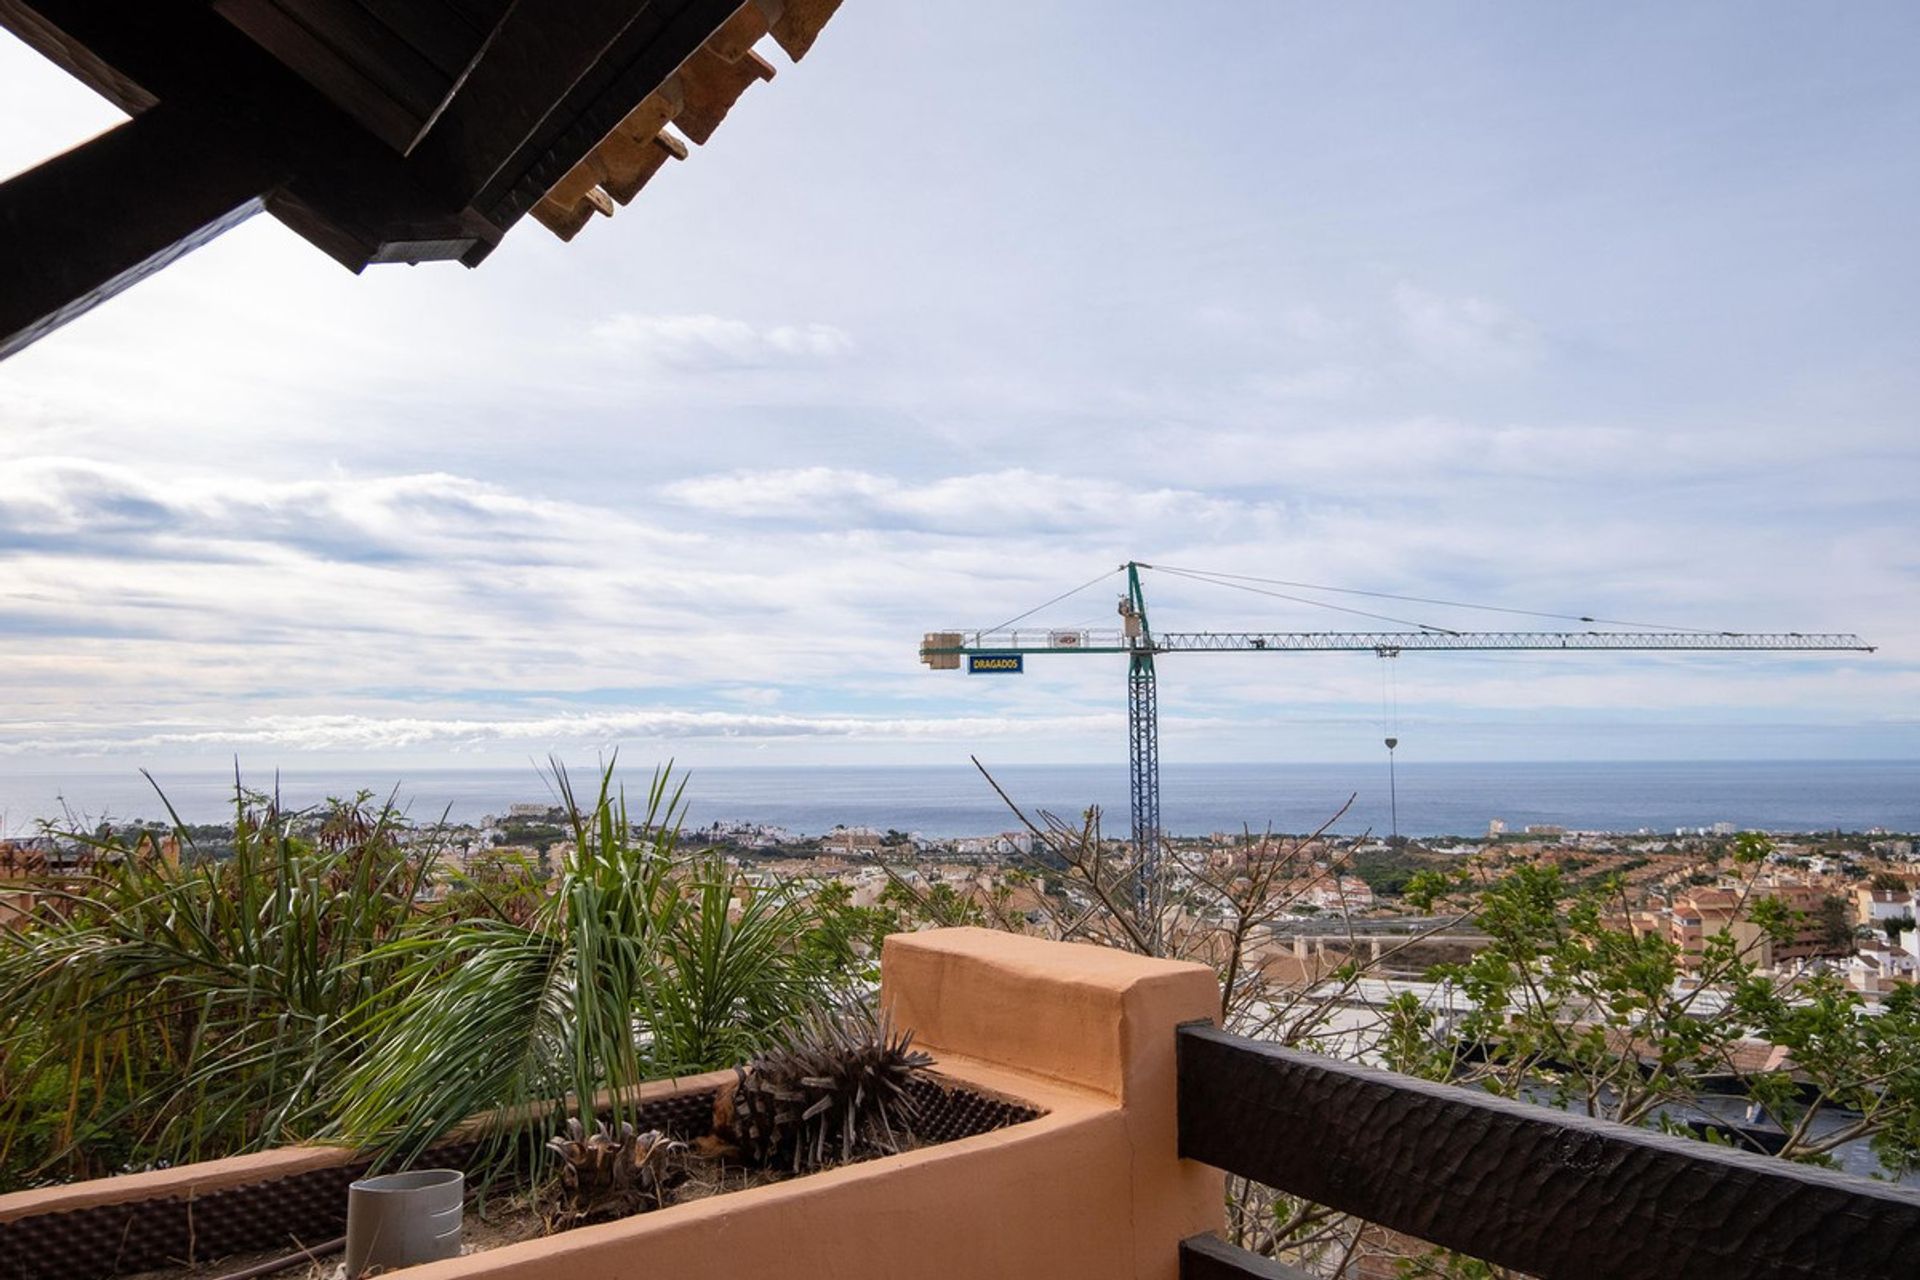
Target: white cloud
1467	336
821	340
716	342
1325	382
398	733
1305	323
413	610
1008	502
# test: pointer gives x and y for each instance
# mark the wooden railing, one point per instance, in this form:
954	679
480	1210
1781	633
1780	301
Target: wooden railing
1557	1196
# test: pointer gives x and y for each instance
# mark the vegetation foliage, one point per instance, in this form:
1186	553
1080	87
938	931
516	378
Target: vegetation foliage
303	983
156	1013
1574	1005
306	986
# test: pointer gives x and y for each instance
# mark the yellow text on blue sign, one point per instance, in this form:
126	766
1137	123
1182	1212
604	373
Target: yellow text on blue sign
999	664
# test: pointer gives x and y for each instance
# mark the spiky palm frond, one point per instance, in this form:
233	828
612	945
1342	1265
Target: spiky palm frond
643	963
836	1090
296	990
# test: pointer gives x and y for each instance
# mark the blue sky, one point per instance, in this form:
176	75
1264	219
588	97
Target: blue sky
1606	311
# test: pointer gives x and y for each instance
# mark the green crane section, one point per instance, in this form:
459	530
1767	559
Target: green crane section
1005	649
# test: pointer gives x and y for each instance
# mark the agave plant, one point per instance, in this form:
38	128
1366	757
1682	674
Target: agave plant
158	1012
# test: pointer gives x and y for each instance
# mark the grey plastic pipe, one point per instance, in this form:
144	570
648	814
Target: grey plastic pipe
398	1219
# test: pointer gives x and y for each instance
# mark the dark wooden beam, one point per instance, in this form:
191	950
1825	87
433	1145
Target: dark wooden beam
1554	1195
74	57
1211	1258
441	32
356	61
348	192
650	50
87	224
508	102
401	158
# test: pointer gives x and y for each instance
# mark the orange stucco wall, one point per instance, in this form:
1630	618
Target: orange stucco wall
1091	1191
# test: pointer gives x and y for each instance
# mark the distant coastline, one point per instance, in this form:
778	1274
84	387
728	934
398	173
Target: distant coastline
953	800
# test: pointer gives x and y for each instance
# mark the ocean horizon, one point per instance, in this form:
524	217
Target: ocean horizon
1435	799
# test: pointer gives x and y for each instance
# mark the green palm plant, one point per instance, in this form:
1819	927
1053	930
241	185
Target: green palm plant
639	964
733	972
162	1012
493	1014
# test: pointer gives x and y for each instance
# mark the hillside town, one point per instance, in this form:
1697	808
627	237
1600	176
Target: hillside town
1853	897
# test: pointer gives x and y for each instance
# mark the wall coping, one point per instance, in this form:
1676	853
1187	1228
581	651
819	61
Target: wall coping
1074	1012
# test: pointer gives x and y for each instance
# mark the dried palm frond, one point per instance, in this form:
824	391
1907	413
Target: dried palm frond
613	1171
837	1090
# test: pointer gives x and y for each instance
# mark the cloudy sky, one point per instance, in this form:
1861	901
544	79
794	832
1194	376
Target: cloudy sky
1607	310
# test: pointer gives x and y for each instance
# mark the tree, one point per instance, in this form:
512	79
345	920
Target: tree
1575	1005
1214	907
1836	923
502	885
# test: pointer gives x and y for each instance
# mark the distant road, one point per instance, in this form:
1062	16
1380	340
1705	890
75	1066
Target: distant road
1335	927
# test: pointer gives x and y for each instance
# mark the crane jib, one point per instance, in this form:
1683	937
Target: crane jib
953	645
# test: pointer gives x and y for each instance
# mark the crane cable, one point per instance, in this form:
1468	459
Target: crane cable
1211	575
1390	715
1390	680
1214	580
1056	600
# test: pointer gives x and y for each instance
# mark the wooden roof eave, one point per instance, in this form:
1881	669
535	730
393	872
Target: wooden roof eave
569	107
693	100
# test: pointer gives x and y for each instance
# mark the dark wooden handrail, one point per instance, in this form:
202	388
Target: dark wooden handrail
1210	1258
1558	1196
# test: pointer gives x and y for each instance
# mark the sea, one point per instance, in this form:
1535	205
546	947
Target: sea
1423	799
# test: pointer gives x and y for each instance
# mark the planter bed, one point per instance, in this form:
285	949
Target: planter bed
282	1212
1052	1151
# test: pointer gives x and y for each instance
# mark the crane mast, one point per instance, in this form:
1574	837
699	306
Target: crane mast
1005	650
1143	745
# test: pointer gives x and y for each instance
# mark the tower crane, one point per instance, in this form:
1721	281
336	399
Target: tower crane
1004	649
